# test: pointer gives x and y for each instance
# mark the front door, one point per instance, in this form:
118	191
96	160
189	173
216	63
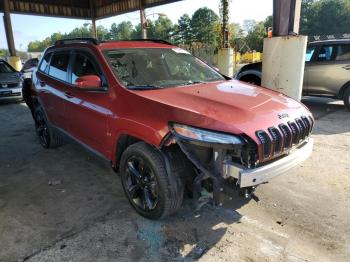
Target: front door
321	78
88	109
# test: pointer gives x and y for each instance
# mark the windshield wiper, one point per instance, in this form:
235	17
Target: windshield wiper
143	87
192	83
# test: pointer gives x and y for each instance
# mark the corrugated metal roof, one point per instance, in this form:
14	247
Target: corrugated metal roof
83	9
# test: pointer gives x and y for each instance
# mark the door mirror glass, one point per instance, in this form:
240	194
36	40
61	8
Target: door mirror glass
88	82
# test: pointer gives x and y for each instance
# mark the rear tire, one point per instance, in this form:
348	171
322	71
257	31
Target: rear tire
251	79
347	98
48	137
151	191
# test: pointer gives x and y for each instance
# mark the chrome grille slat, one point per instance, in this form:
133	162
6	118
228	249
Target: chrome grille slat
265	141
276	140
287	135
302	128
295	132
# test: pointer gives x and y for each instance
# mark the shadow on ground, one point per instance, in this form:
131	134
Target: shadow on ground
52	201
330	111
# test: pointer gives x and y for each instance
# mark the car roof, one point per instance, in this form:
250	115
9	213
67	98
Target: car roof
136	43
331	41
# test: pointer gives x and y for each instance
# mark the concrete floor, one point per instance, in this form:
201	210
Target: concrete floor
67	205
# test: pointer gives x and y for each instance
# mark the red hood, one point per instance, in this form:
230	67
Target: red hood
229	106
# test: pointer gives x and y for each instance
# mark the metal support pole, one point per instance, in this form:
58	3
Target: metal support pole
93	19
283	70
143	20
94	30
225	17
286	17
8	29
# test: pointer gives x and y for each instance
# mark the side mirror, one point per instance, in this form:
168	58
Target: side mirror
88	81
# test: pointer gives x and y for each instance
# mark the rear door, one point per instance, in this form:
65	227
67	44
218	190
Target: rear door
51	83
88	109
342	67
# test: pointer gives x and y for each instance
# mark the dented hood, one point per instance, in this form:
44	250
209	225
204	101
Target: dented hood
230	106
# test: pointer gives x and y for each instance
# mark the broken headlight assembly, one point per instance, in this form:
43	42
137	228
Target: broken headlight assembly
202	136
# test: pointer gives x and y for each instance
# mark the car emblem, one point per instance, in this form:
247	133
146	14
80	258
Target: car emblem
4	85
284	115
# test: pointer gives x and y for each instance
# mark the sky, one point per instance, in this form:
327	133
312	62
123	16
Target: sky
30	28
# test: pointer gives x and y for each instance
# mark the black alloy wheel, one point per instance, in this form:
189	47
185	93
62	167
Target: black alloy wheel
153	192
42	129
141	184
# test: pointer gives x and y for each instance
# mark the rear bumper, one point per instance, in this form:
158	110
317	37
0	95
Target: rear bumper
6	93
252	177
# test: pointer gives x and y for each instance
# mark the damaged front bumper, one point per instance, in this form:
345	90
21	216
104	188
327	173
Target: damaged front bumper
248	177
225	164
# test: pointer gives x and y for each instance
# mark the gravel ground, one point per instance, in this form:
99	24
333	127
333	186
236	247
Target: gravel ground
67	205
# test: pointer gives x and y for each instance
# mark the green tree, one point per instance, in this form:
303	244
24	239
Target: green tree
183	31
122	31
136	33
203	24
268	22
163	29
255	36
325	17
3	53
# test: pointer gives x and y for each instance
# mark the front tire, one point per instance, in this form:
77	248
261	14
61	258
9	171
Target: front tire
151	191
48	137
347	98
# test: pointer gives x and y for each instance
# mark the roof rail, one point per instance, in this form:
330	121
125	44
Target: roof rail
141	40
77	40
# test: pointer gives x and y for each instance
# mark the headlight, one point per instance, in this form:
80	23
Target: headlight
192	133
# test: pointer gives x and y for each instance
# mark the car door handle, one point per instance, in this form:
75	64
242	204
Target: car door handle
42	83
68	94
347	67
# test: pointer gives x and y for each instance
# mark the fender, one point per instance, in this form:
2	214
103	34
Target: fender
139	132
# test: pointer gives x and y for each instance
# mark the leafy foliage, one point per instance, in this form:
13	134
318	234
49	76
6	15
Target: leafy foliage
205	27
325	17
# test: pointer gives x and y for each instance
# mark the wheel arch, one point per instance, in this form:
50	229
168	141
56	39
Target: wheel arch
343	89
249	73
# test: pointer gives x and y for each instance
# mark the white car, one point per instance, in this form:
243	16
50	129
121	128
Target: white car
10	81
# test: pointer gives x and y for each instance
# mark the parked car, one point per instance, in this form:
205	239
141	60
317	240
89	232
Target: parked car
10	82
327	70
167	120
29	66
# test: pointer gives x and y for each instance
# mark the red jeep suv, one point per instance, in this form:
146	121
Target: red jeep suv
166	120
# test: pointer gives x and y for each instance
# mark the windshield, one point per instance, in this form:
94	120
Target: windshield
5	68
150	68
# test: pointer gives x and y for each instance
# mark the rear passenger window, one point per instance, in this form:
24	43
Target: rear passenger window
45	62
59	65
343	52
83	66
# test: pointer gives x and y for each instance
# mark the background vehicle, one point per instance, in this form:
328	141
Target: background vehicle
29	66
327	70
10	81
166	120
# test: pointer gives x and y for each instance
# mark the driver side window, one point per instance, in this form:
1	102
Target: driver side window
325	53
83	66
